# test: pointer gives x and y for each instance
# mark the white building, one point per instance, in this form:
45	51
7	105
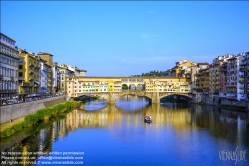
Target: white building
43	78
8	68
55	78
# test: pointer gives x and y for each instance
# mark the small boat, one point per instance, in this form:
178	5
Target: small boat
147	119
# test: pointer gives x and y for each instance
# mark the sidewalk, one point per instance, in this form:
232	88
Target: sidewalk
10	124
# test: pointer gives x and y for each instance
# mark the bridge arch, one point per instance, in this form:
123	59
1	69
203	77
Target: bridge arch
176	94
140	87
132	87
125	87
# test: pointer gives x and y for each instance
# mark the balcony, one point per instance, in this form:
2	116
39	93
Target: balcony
31	72
31	78
11	78
25	84
31	64
242	68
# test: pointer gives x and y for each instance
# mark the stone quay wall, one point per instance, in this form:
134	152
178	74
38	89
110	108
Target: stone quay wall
10	112
217	101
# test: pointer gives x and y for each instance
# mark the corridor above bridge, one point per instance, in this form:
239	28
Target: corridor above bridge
81	85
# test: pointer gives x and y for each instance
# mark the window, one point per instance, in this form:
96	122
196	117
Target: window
20	60
20	67
20	74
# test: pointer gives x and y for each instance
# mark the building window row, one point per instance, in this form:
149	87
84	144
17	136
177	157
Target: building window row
8	61
8	41
8	72
8	85
8	51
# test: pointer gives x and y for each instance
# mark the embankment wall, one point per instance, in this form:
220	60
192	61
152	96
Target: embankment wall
10	112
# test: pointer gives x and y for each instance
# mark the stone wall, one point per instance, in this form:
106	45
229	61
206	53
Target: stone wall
22	109
217	101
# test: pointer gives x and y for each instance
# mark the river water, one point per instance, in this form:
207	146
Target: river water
98	134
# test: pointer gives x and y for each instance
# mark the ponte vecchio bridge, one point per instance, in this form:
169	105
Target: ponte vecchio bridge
110	88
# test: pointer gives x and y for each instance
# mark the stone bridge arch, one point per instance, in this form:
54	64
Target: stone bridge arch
154	97
111	97
162	95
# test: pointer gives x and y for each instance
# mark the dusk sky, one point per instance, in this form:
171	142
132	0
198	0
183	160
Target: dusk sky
126	38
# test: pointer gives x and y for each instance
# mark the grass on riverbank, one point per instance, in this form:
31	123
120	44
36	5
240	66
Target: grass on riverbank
42	115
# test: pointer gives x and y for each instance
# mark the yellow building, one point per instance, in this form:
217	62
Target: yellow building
28	72
181	68
47	57
110	86
210	80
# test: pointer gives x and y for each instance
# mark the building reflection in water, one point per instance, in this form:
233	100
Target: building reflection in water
121	121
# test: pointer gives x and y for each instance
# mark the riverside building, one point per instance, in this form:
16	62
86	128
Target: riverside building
48	58
28	74
8	68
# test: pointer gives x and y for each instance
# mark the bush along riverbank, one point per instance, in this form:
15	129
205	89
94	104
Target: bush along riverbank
42	115
85	98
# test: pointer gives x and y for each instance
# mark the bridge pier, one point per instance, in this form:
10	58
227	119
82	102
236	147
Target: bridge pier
111	98
155	99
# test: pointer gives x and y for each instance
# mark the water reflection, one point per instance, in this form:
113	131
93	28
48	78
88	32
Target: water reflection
94	105
131	103
194	126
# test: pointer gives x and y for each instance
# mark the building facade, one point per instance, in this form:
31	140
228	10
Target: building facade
43	78
67	70
55	78
28	74
48	58
8	68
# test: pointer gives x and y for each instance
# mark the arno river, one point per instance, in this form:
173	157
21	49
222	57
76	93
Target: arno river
116	135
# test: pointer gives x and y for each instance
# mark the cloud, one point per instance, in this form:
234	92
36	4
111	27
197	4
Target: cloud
144	36
150	11
151	38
